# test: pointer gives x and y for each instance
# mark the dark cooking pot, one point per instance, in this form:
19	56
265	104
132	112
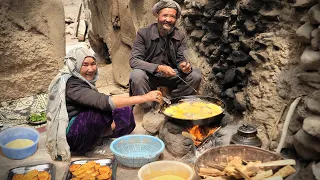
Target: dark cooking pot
210	120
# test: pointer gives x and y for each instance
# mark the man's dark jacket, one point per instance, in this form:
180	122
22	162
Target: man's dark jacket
150	50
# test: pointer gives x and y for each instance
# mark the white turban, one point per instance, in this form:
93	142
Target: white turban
166	4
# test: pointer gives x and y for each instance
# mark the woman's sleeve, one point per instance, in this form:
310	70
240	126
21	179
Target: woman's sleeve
80	93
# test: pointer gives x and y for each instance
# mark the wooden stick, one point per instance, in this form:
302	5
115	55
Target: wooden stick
262	175
243	174
274	126
286	124
211	171
188	135
277	163
285	171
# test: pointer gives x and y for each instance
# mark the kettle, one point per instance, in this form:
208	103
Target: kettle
246	135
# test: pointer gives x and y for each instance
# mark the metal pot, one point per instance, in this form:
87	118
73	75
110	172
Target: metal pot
246	135
214	119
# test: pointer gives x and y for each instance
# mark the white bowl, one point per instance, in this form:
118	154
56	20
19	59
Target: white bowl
160	168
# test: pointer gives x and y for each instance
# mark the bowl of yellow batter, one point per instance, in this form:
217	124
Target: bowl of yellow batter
19	142
166	170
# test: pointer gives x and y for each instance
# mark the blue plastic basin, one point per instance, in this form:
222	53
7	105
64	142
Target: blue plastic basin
137	150
14	133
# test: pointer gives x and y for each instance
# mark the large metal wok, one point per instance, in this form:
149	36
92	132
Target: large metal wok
214	119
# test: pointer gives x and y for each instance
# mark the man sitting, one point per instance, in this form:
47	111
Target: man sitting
157	56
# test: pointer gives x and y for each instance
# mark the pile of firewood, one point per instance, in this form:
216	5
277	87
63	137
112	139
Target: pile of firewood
238	168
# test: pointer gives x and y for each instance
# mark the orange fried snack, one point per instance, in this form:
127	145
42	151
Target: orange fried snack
43	175
97	166
30	175
84	168
103	176
104	170
74	167
17	177
90	171
88	177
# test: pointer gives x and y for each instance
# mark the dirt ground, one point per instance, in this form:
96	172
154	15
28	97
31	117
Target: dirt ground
106	85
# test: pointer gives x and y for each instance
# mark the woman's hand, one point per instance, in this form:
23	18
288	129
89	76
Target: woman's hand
153	96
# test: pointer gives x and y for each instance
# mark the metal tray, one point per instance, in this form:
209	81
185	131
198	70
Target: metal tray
111	162
50	168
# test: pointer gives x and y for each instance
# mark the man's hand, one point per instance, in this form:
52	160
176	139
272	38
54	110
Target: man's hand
167	71
185	67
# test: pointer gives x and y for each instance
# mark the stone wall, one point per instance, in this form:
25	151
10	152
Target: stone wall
306	125
32	46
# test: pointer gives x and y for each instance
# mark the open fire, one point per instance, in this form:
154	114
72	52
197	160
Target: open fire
199	134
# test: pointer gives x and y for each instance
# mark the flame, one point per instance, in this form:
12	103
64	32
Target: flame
200	133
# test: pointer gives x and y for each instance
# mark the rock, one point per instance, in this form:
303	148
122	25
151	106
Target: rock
304	32
309	77
215	25
230	77
229	93
197	34
304	3
314	85
82	30
221	15
305	173
270	13
314	14
259	57
239	57
176	144
312	125
249	26
315	41
316	169
303	147
308	141
313	102
68	20
310	59
152	121
240	101
315	33
251	5
295	125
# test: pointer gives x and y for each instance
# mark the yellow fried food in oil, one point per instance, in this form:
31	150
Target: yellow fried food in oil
17	177
30	174
74	167
193	110
84	168
104	170
43	175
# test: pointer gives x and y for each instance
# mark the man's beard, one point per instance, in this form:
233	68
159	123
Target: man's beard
163	31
